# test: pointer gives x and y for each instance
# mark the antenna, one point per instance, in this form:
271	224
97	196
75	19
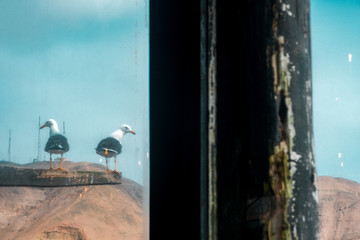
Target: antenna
9	150
64	134
39	143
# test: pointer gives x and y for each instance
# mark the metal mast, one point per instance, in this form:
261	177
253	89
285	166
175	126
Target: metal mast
65	154
39	143
9	150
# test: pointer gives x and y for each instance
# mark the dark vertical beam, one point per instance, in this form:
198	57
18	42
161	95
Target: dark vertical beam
204	116
208	167
293	51
247	118
212	121
265	174
174	120
265	166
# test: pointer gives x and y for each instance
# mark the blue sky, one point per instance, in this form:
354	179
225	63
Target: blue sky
84	62
336	86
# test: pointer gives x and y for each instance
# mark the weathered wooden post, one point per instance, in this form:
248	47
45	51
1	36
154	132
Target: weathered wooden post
263	182
244	166
296	192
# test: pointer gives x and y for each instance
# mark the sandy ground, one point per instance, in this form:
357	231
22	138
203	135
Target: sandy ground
103	212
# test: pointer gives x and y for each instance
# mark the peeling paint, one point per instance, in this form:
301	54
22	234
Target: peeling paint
315	193
308	85
283	161
287	161
292	169
283	191
286	8
293	164
282	81
295	233
294	156
291	125
310	156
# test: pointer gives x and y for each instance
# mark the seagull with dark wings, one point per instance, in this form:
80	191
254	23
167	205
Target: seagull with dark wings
111	146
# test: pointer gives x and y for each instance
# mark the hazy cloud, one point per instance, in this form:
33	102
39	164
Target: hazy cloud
103	9
33	25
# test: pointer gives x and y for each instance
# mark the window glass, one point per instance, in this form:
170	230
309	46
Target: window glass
85	65
336	91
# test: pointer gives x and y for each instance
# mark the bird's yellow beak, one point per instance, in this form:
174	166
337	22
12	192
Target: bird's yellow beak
132	132
42	126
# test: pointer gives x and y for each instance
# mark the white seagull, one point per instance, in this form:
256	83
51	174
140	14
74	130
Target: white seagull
57	143
111	146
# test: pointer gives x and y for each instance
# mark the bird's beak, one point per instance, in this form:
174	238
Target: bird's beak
132	132
42	126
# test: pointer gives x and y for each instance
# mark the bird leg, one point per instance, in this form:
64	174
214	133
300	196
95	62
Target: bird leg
115	166
107	166
61	160
51	162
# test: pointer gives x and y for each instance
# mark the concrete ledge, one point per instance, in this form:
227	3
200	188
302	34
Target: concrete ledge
13	176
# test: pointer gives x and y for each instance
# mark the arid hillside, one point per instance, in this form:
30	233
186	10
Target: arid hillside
109	212
339	208
105	212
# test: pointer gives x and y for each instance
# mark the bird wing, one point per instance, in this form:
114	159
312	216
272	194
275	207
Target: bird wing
57	142
110	144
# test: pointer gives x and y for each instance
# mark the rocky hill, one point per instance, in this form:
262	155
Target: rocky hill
103	212
109	212
339	208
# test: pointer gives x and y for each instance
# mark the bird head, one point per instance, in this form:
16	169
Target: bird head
127	129
49	123
52	125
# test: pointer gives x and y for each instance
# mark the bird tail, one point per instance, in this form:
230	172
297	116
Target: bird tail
106	150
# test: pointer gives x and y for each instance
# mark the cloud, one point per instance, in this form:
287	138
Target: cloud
34	25
101	9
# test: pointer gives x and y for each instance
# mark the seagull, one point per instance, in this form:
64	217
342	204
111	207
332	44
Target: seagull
111	146
57	143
